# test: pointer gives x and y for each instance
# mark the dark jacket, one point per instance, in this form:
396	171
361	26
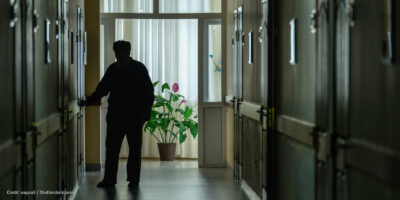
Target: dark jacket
131	92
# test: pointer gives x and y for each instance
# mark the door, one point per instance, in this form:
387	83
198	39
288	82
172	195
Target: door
251	109
71	105
211	115
10	100
80	123
266	112
28	84
368	81
295	150
47	101
65	53
233	100
237	90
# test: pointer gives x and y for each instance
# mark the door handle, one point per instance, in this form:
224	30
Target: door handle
13	13
313	26
263	112
35	21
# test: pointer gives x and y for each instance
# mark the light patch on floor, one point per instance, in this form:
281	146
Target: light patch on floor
179	179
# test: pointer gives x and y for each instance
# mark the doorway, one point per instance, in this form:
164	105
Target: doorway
174	50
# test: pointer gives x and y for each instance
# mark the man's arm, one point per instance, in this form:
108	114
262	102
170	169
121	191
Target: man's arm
102	89
149	94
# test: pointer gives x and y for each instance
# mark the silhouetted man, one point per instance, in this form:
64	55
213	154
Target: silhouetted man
129	107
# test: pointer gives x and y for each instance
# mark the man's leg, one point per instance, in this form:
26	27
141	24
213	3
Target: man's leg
134	137
115	135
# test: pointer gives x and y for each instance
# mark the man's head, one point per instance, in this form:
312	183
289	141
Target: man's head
122	49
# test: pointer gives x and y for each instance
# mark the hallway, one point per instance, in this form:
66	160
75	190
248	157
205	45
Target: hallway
180	179
255	99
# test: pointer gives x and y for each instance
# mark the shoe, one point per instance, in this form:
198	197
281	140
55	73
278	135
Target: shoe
133	185
104	184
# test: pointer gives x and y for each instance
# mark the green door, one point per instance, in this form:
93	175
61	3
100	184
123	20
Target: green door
368	85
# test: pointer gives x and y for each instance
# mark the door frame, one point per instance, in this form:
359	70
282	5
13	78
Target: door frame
108	20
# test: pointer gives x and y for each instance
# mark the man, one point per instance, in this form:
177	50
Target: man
129	107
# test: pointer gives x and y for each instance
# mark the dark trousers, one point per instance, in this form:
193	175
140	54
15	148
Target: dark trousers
116	131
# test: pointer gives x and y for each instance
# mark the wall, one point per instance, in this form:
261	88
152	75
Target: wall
92	78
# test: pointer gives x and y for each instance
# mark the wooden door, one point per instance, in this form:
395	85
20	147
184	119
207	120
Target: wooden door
295	53
10	99
72	91
265	39
28	81
368	84
250	99
47	101
81	86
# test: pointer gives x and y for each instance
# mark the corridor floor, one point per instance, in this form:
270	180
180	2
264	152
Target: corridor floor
180	179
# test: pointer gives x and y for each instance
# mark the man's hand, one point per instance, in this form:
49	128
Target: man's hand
82	103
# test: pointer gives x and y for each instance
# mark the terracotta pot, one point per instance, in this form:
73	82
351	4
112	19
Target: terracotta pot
167	151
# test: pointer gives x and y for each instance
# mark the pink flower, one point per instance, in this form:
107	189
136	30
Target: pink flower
175	87
183	101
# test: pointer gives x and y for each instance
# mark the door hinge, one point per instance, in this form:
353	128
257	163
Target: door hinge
324	145
271	118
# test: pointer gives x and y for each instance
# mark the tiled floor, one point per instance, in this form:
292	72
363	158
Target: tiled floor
180	179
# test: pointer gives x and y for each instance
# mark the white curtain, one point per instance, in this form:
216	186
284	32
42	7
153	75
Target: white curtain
169	49
127	6
165	6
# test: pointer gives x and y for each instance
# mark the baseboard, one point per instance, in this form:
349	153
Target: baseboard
249	192
74	191
93	167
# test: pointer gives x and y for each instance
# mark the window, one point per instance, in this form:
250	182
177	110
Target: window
213	64
190	6
126	6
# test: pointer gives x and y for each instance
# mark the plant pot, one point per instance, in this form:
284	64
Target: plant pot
167	151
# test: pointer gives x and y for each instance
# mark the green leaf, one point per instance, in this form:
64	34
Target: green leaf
182	127
174	98
151	126
169	108
165	86
164	124
158	104
156	83
173	134
194	129
159	99
188	112
182	138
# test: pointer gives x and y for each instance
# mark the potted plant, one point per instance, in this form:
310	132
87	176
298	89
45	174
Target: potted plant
170	120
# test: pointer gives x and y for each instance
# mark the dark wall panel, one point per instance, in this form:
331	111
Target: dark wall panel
295	166
47	166
72	157
251	154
